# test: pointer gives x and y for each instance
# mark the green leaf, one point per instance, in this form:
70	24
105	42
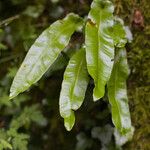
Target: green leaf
122	139
28	115
44	52
4	145
117	92
99	44
18	140
69	121
73	88
119	33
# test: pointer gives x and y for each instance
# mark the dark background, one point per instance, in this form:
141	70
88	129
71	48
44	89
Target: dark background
32	121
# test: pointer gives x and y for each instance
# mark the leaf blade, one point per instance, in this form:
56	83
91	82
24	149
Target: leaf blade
44	52
117	93
119	33
73	87
99	45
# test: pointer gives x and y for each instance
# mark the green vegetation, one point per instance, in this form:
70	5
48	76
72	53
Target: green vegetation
31	120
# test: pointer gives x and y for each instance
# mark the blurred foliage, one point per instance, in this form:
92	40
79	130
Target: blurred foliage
32	121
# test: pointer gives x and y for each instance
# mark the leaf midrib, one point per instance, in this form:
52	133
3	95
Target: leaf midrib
99	31
33	66
76	79
46	48
116	70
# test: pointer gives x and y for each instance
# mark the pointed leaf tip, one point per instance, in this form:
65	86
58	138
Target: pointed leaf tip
69	121
12	95
73	89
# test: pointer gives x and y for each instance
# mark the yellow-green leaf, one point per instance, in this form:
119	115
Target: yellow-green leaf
119	33
73	88
44	52
99	44
117	92
4	144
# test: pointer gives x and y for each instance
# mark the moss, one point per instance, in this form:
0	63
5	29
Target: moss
139	79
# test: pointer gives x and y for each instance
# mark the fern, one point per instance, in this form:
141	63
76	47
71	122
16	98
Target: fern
106	63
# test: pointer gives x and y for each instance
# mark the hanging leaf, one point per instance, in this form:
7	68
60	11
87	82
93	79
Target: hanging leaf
73	88
99	44
119	33
117	92
44	52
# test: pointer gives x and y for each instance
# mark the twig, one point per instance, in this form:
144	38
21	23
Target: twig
8	20
3	60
